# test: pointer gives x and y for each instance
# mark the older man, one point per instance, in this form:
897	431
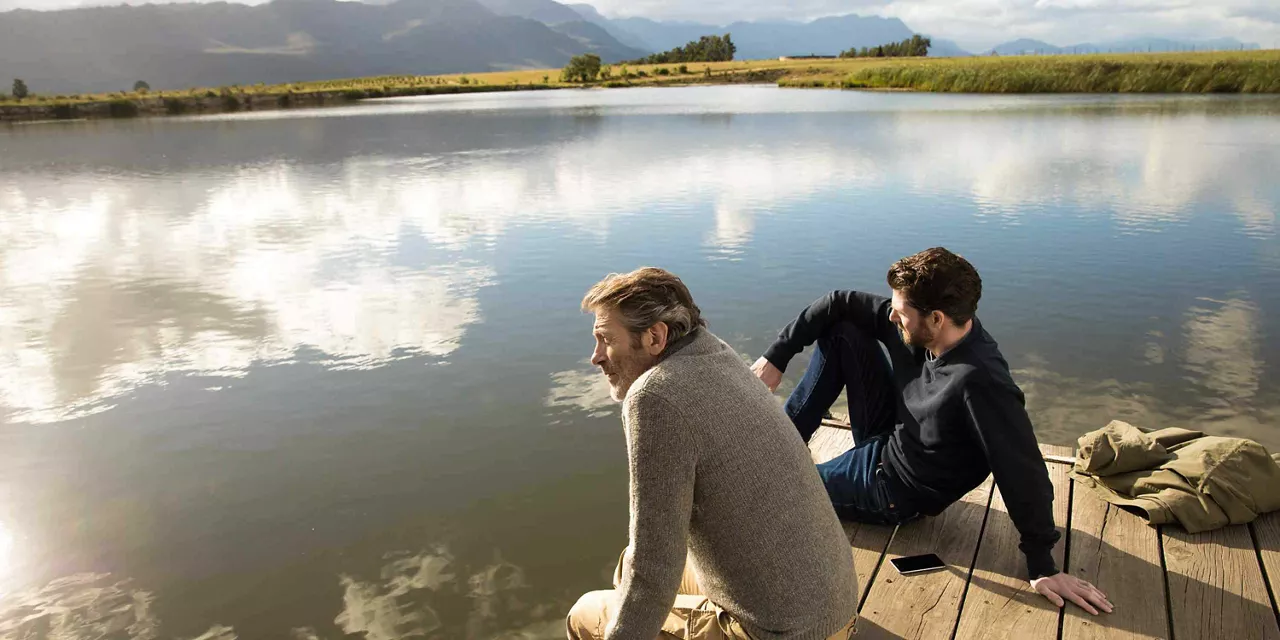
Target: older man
718	476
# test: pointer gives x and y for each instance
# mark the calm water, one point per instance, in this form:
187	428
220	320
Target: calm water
322	374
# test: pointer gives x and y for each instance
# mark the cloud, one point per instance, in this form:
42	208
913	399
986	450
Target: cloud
976	24
981	24
88	606
105	292
1220	356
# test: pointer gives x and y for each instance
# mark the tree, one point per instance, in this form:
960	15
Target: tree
583	68
915	46
704	49
141	86
20	89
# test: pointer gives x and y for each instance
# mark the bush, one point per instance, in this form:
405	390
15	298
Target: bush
174	106
663	71
122	109
210	94
583	68
230	103
682	69
353	95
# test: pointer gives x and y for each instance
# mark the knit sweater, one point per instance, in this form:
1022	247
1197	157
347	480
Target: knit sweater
717	470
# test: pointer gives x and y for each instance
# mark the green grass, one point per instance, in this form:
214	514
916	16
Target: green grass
1208	72
1205	72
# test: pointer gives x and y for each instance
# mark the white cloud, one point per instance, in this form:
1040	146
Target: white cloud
976	24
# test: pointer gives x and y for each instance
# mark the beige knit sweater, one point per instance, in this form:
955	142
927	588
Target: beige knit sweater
717	468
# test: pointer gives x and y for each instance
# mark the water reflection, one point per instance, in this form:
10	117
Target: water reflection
418	594
1219	353
1130	246
111	282
583	389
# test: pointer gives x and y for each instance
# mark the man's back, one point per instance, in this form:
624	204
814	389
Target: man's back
707	439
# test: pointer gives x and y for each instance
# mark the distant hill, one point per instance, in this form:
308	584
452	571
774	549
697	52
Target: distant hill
544	11
946	49
183	45
755	40
590	14
1026	47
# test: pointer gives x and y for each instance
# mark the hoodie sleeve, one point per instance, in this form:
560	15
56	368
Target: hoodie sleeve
1004	431
865	310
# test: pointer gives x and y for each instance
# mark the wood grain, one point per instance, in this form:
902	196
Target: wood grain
1000	601
927	605
1215	586
1119	553
1266	531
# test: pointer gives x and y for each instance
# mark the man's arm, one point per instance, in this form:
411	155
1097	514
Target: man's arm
1000	419
662	458
1005	433
865	310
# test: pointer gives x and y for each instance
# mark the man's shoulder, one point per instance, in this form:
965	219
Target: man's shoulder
982	366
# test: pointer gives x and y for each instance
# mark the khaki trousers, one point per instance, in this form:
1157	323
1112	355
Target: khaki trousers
693	617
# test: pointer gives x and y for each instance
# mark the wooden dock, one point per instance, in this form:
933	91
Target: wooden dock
1164	582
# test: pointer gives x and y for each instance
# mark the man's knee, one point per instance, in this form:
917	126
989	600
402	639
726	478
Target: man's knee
589	616
848	332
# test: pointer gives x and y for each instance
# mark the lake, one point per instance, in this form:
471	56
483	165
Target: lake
323	374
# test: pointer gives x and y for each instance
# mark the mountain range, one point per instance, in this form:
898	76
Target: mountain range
170	46
1026	46
212	44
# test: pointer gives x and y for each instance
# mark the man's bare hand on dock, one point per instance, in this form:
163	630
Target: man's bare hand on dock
1064	585
769	374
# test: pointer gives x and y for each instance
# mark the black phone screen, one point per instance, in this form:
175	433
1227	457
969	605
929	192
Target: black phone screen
916	564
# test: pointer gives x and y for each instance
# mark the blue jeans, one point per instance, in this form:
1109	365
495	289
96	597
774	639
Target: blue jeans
851	359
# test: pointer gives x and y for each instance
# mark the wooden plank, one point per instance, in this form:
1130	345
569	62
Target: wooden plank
1000	602
1215	586
1266	531
866	541
927	605
829	442
1120	554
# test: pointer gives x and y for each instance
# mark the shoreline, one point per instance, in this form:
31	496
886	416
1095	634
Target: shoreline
1243	72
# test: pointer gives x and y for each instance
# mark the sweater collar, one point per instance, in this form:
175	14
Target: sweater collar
686	343
955	349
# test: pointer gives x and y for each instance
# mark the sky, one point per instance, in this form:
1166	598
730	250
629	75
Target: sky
974	24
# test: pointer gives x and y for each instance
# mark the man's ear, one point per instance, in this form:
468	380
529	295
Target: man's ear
655	339
937	318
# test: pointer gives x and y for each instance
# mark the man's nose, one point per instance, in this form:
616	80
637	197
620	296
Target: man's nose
597	357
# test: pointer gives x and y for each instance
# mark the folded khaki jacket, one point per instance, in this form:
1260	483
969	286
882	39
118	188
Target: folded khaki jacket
1176	475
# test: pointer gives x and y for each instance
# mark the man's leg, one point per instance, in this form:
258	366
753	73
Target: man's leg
858	490
692	617
851	359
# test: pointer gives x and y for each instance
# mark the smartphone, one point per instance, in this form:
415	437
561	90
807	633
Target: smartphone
908	565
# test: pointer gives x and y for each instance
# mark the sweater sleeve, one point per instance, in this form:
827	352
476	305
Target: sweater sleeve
865	310
1000	419
662	459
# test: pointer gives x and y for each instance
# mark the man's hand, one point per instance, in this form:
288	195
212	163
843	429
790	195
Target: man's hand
767	373
1064	585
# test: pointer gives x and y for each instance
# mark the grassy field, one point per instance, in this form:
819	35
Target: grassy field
1205	72
381	86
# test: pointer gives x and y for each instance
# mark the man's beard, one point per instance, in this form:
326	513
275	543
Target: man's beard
624	372
918	339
